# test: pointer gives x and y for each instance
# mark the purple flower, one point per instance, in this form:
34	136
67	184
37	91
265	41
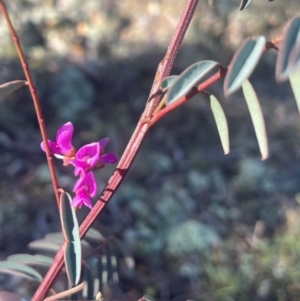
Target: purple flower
92	155
62	145
85	158
85	188
109	158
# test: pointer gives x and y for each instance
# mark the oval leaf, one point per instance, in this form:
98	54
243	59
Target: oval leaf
68	218
221	122
88	291
294	61
38	260
12	267
72	257
8	88
56	238
243	63
290	36
188	79
43	245
295	84
244	4
167	82
93	235
257	118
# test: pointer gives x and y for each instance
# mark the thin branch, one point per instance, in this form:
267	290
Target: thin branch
165	66
34	97
221	73
132	148
218	75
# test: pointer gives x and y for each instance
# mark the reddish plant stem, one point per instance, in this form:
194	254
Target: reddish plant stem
164	67
221	73
132	148
34	98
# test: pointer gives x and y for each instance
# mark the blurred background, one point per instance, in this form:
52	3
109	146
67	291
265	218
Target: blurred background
193	222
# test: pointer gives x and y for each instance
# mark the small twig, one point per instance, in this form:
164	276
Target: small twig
221	73
66	293
34	98
164	67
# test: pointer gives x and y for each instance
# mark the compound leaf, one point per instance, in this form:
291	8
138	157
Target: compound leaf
43	245
38	260
285	57
56	238
188	79
221	122
243	63
20	269
257	118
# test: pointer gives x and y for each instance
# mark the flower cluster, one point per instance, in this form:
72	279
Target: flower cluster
90	156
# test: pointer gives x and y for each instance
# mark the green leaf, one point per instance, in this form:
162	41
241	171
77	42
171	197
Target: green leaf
284	62
8	88
71	233
43	245
243	63
16	268
295	84
93	235
114	267
52	241
93	263
72	257
188	79
68	218
294	61
88	291
244	4
167	82
257	118
221	122
56	238
38	260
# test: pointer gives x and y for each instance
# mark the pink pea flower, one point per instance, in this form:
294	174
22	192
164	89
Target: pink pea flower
85	158
63	145
92	155
109	158
85	188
